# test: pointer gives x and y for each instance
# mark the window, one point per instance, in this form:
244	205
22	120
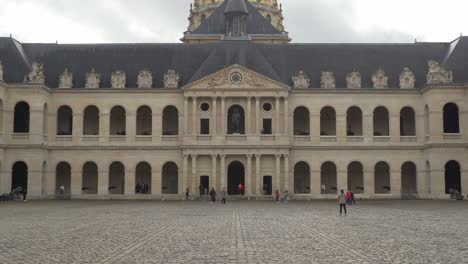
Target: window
204	126
267	127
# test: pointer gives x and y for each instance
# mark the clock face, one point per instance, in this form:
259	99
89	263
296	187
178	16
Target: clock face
236	78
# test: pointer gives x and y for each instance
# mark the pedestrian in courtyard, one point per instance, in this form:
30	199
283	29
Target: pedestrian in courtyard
348	197
240	188
223	195
24	192
285	196
187	192
342	200
353	202
200	189
213	195
277	195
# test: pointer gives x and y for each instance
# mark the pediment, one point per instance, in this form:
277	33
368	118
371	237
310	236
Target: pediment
236	77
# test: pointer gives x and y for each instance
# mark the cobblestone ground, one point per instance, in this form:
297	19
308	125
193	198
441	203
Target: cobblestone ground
241	232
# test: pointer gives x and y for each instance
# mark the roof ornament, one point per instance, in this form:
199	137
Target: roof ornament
379	79
66	79
301	80
145	79
353	80
93	79
437	74
118	79
171	79
1	71
37	74
407	79
328	80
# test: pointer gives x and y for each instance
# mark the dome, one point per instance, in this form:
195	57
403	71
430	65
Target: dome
208	2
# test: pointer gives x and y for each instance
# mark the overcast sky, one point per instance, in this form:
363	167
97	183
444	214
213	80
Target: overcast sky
97	21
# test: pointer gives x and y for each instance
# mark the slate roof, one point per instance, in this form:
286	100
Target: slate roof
236	6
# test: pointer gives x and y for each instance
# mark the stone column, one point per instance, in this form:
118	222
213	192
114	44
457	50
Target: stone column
76	183
156	180
194	116
286	117
395	128
35	125
223	116
315	183
214	176
249	182
195	182
214	112
278	172
438	180
258	183
287	178
248	127
104	123
436	125
223	171
186	127
185	182
395	183
130	126
257	116
77	128
369	181
420	127
342	179
130	175
103	182
277	116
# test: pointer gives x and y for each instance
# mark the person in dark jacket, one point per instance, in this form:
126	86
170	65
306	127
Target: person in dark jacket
213	195
187	193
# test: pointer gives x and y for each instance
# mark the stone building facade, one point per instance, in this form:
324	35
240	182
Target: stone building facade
384	120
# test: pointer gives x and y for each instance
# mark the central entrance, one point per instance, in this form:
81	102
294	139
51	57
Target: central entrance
236	176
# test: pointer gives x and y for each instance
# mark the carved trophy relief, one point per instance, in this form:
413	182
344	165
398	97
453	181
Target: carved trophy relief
407	79
328	80
171	79
37	74
301	80
1	71
437	74
145	79
93	80
217	80
353	80
379	79
118	79
66	79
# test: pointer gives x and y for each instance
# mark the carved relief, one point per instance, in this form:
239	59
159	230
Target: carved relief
217	80
171	79
301	80
407	79
379	79
145	79
93	79
328	80
66	79
118	79
437	74
1	71
353	80
37	74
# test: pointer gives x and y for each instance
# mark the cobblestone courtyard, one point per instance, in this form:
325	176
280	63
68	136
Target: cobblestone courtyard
241	232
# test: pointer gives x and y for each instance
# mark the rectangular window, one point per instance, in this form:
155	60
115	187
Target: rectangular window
267	127
204	126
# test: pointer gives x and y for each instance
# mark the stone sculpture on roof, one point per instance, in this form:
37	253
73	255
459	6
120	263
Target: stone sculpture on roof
36	76
437	74
379	79
301	80
353	80
171	79
328	80
93	79
66	79
407	79
145	79
118	79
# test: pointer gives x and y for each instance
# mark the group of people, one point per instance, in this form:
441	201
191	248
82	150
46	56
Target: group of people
212	194
142	188
284	198
345	199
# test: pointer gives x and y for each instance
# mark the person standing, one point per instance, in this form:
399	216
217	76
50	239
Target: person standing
286	196
277	195
24	192
353	202
213	195
342	200
223	195
187	192
240	189
348	197
200	188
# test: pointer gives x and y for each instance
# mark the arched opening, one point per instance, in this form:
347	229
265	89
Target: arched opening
143	178
63	179
328	178
236	176
144	125
354	122
45	120
381	122
170	178
409	187
356	177
452	177
91	121
44	178
21	118
118	121
407	122
427	122
328	121
428	177
90	178
19	176
205	184
236	120
302	178
116	178
451	119
170	124
382	178
64	121
301	121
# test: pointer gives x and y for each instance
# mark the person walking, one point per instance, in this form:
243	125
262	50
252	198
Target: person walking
213	195
285	196
24	192
240	189
187	192
223	195
353	201
277	195
348	197
342	200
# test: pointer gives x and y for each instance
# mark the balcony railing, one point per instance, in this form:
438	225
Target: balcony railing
144	138
236	137
408	139
90	139
63	138
20	136
173	138
117	138
328	139
204	137
453	136
302	139
381	139
355	139
267	138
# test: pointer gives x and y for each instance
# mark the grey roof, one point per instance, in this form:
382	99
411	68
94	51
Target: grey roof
236	6
215	24
195	61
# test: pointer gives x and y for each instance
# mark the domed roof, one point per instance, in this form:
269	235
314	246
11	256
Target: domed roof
265	2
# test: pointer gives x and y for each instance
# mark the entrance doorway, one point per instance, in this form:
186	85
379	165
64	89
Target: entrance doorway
236	176
205	183
267	185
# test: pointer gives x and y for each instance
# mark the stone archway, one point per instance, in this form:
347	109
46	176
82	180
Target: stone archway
302	178
452	177
236	176
19	175
170	178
